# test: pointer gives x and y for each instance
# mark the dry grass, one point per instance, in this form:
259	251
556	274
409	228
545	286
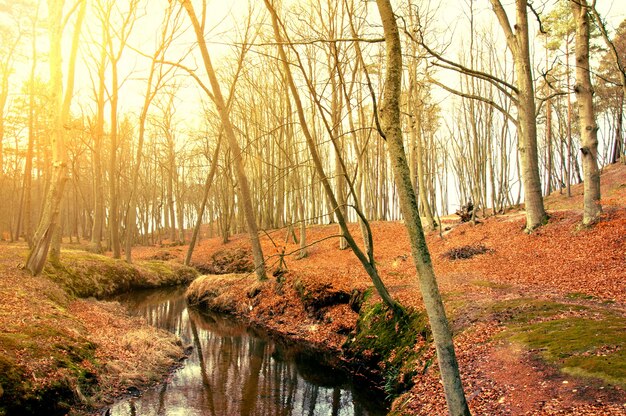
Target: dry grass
57	351
223	292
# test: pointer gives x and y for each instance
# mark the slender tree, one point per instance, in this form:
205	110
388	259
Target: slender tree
366	259
586	114
157	75
392	128
50	216
229	131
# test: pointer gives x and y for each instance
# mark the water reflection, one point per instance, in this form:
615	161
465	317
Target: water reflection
234	371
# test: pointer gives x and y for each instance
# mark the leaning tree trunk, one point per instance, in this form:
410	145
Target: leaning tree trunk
229	131
366	260
586	116
50	215
392	127
207	188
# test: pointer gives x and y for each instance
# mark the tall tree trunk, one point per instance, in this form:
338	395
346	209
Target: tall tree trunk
25	209
218	99
421	174
335	132
390	117
568	178
549	146
98	136
586	115
55	250
366	260
518	44
618	144
114	223
50	215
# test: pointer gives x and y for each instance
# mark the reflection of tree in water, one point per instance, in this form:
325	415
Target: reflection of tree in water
206	383
235	371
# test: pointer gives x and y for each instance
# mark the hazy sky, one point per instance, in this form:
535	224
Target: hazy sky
223	16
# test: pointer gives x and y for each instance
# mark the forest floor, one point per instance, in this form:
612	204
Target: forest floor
539	319
61	349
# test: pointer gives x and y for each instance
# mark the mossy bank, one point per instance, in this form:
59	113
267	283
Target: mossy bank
575	337
62	354
363	336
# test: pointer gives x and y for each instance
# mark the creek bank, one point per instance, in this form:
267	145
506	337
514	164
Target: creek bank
348	328
61	350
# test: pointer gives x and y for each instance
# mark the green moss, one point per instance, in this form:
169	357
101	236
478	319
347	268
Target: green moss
526	310
84	274
12	383
490	284
23	394
47	363
579	345
394	343
579	295
162	273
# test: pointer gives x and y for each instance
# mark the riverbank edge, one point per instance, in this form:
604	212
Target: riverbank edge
350	330
64	349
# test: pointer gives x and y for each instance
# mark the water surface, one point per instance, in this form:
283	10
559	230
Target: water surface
234	370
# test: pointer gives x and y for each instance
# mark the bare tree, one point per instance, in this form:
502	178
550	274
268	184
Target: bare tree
366	259
157	78
229	131
586	114
392	128
116	44
522	94
50	216
620	64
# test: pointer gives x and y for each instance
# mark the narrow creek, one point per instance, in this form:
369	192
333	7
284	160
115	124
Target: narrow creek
235	370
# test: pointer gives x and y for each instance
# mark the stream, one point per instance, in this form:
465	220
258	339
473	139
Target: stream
235	370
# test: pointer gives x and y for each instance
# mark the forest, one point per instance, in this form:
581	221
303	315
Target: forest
403	177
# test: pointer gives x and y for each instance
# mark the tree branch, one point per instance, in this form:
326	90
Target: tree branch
461	68
314	41
190	72
505	24
475	97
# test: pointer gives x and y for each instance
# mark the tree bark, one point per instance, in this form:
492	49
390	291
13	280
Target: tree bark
367	261
50	216
229	131
391	124
586	115
518	44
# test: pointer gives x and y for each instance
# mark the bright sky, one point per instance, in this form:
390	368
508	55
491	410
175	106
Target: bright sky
222	17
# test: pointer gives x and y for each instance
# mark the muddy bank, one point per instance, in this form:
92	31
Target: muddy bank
59	352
